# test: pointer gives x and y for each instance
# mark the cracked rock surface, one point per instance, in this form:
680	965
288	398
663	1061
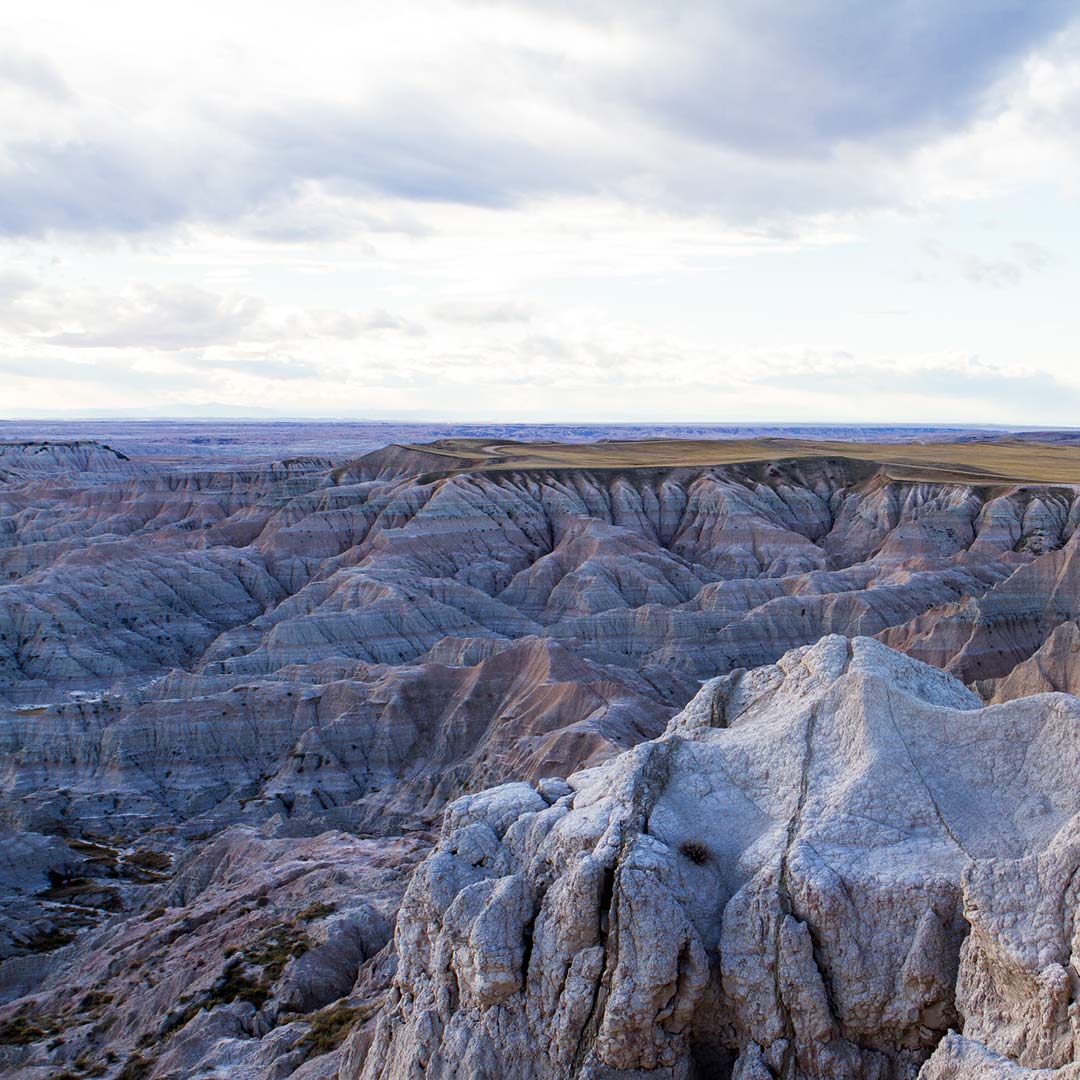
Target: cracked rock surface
821	867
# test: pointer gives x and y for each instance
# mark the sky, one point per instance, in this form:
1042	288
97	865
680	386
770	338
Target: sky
735	210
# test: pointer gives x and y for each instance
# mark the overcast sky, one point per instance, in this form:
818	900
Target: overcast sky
726	210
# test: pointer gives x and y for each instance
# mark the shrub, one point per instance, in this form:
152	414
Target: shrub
695	851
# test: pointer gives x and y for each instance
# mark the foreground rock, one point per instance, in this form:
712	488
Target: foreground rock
819	869
260	955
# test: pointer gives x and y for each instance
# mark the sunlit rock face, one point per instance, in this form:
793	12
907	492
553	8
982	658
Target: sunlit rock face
819	869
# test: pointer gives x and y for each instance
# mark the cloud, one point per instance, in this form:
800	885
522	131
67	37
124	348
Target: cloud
780	79
483	312
118	374
619	206
308	212
14	284
135	375
259	366
751	109
1025	259
953	379
339	325
177	317
33	74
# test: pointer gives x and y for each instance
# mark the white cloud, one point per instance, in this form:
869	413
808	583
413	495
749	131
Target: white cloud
748	111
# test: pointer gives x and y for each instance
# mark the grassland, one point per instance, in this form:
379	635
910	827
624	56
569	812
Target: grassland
990	462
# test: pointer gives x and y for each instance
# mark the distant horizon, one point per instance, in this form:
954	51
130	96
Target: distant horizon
466	421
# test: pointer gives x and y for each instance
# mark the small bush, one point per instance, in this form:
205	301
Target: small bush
274	950
48	940
695	851
94	999
146	859
135	1068
24	1028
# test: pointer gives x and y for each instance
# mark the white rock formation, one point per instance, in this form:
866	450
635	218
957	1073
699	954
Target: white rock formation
819	869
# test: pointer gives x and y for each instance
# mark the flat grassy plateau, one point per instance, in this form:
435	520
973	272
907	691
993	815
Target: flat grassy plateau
990	462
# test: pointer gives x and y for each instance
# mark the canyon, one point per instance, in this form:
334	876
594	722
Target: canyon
748	755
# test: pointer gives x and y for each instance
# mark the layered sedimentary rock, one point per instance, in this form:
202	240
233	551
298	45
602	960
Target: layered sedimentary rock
819	869
985	637
374	749
19	460
694	570
225	690
1054	666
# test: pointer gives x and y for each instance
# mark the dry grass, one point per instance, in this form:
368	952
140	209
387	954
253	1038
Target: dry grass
985	463
147	859
331	1025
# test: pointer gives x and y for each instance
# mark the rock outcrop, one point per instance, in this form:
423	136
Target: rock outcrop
1053	667
692	570
19	460
375	749
985	637
226	969
818	870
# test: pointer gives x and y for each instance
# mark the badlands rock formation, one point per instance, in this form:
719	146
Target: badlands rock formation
985	637
1055	666
241	573
22	459
239	703
369	747
227	970
822	867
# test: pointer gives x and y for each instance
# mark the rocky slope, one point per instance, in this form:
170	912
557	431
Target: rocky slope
1055	666
21	459
372	748
281	663
985	637
259	954
820	869
692	570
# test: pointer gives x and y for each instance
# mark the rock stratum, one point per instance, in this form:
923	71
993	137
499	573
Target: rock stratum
742	759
